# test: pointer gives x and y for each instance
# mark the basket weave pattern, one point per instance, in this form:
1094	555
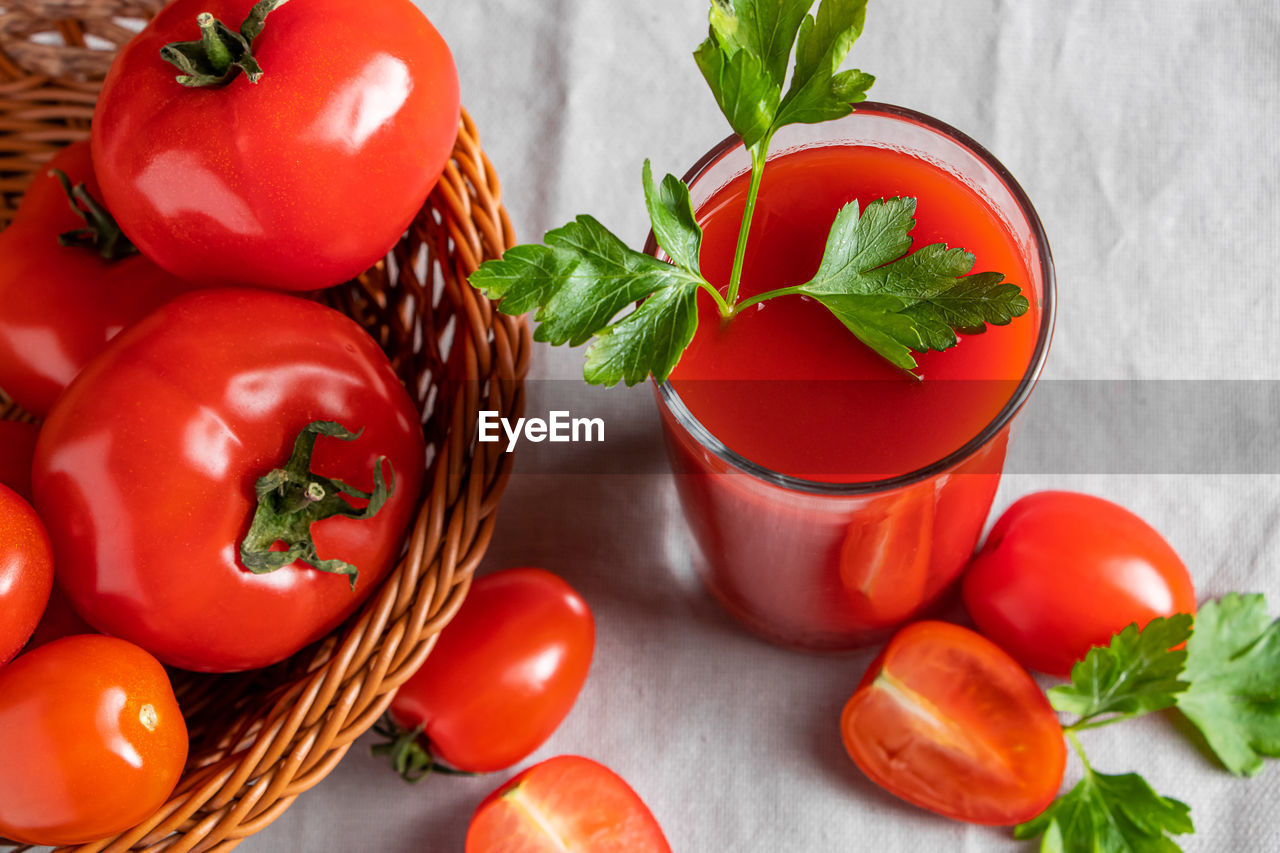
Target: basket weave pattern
260	739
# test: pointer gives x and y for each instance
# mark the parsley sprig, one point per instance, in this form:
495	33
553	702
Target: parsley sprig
1226	681
582	280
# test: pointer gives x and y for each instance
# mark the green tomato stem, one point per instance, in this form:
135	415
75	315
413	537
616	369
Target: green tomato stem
215	49
759	153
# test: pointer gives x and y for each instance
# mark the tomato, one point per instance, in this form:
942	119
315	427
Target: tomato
91	741
17	446
1062	572
26	572
146	467
503	674
946	720
59	305
299	181
565	803
58	621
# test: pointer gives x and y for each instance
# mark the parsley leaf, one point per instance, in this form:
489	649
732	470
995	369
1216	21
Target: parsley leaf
1135	674
671	213
911	303
1109	814
819	90
764	28
1233	664
649	340
741	84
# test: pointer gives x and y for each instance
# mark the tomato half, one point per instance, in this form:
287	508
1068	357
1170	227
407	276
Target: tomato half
146	468
26	572
59	305
17	447
301	180
565	803
504	673
91	741
946	720
1062	572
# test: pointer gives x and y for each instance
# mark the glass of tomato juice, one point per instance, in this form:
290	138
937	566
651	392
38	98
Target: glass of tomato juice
833	496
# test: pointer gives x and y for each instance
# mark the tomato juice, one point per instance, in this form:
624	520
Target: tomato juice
833	495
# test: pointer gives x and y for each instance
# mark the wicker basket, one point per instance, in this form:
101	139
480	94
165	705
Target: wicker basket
260	739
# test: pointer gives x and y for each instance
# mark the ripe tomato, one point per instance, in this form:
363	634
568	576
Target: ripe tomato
17	446
565	803
946	720
26	572
1062	572
299	181
145	475
59	305
91	741
504	673
58	621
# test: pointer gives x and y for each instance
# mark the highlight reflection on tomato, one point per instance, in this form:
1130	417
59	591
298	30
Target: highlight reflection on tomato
946	720
147	501
91	741
26	572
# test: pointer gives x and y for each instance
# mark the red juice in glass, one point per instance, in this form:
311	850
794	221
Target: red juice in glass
833	496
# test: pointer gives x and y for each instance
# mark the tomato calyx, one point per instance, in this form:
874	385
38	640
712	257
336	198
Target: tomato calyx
292	498
410	753
101	233
220	53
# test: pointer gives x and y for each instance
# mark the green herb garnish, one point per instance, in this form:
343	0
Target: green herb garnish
583	277
1226	681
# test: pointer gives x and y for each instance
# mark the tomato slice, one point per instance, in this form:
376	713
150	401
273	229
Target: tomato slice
566	804
947	721
884	560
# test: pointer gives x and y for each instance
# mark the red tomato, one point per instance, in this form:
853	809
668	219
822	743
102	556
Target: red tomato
17	446
91	741
946	720
300	181
59	305
145	475
26	572
504	673
1062	572
565	803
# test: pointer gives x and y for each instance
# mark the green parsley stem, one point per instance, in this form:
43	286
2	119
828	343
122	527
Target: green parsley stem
739	307
725	309
1086	723
759	153
1075	744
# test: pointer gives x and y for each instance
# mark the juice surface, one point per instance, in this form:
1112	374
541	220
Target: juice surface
785	385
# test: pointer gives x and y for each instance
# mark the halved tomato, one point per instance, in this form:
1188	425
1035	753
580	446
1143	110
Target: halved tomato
565	803
947	721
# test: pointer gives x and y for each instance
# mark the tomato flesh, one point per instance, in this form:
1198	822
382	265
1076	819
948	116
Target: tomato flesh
946	720
1062	572
91	741
566	804
504	673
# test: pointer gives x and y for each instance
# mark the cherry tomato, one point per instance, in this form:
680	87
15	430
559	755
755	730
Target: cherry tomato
301	180
17	447
504	673
91	741
146	467
1062	572
26	572
59	305
946	720
565	803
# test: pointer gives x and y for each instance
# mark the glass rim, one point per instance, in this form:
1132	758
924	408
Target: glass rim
1048	312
